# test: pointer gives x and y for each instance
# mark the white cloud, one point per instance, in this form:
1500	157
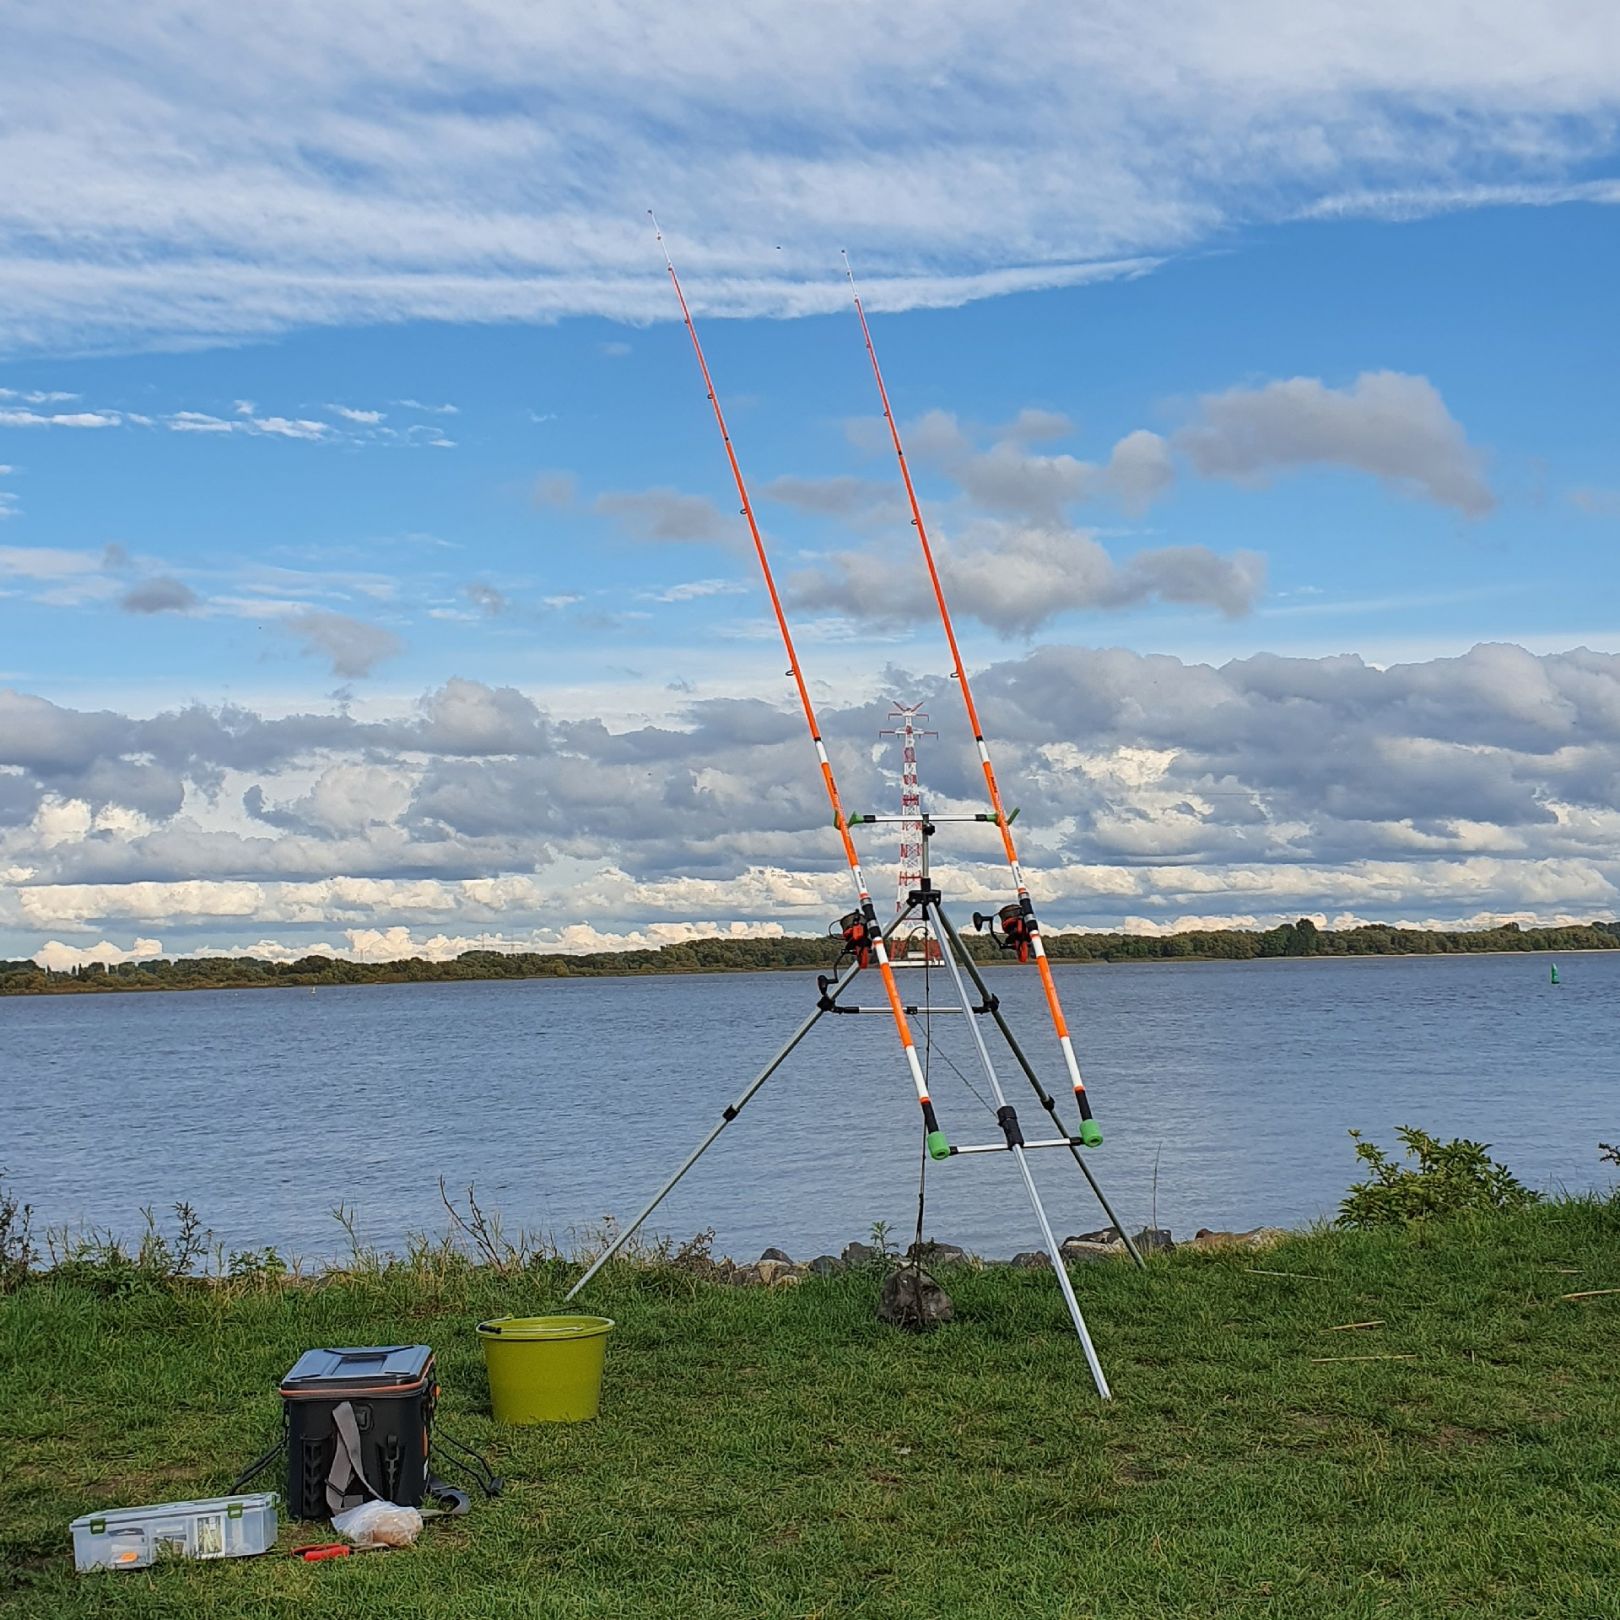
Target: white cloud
61	419
1016	577
354	647
159	594
695	590
171	177
350	414
199	422
48	563
1386	423
667	514
1151	789
60	958
285	428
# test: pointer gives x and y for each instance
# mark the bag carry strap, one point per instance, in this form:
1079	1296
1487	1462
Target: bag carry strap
346	1466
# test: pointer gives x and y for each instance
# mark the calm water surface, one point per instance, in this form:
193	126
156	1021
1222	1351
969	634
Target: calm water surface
564	1100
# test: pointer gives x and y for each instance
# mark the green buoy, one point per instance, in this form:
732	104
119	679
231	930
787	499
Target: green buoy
1554	972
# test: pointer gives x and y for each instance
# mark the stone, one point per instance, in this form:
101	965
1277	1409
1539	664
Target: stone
1076	1249
912	1300
861	1254
743	1276
1108	1234
827	1265
1031	1260
1258	1237
769	1270
939	1254
777	1254
1154	1240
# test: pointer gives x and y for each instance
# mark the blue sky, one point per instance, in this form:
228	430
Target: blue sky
372	431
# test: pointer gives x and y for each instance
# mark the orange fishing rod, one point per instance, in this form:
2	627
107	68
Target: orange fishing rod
938	1147
1025	917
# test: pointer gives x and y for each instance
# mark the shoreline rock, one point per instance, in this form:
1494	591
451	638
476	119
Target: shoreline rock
776	1268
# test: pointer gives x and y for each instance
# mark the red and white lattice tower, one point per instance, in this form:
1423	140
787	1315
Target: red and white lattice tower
911	836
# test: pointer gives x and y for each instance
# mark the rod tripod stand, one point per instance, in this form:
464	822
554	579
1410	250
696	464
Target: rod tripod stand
926	903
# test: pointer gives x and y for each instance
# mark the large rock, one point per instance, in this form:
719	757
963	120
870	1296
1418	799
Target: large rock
861	1254
1154	1240
770	1271
826	1265
912	1300
1031	1260
778	1255
1259	1237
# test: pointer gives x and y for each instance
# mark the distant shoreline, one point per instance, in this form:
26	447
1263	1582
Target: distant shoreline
1291	941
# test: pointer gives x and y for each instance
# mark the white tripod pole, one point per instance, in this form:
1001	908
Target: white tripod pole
1008	1121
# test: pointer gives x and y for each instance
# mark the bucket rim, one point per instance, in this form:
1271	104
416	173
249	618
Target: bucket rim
555	1329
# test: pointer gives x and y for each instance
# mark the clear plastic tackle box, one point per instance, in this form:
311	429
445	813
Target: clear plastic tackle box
133	1537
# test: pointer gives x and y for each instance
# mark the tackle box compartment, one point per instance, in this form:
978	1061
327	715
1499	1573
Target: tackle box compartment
133	1537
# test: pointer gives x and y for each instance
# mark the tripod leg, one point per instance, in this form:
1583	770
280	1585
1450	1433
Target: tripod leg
708	1141
1008	1121
994	1004
823	1006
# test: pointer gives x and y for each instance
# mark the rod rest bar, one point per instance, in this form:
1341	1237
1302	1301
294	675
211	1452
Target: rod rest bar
1004	1147
913	1012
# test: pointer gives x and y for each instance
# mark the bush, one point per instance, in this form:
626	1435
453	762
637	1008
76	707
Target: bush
18	1256
1442	1179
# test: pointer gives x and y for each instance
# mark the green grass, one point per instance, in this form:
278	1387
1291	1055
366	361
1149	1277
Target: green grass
777	1453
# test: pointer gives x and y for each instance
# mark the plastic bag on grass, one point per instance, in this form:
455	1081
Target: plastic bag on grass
379	1524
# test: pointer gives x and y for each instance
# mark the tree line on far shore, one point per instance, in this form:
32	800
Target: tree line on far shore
723	955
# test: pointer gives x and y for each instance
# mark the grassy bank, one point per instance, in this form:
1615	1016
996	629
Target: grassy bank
778	1452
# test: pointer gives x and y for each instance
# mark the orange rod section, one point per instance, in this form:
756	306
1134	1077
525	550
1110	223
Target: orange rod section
890	987
1059	1023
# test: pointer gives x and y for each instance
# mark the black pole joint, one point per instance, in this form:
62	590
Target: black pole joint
1007	1119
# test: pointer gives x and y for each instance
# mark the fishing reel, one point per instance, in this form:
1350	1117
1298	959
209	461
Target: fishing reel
858	934
1016	931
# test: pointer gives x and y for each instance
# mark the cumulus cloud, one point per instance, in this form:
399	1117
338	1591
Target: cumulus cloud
160	594
1016	577
1152	790
1386	423
1009	477
60	958
667	514
354	647
839	497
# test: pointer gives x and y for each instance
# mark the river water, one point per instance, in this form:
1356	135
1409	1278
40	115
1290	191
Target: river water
1225	1091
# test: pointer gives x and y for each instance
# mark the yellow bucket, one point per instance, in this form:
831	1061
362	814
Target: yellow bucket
545	1369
